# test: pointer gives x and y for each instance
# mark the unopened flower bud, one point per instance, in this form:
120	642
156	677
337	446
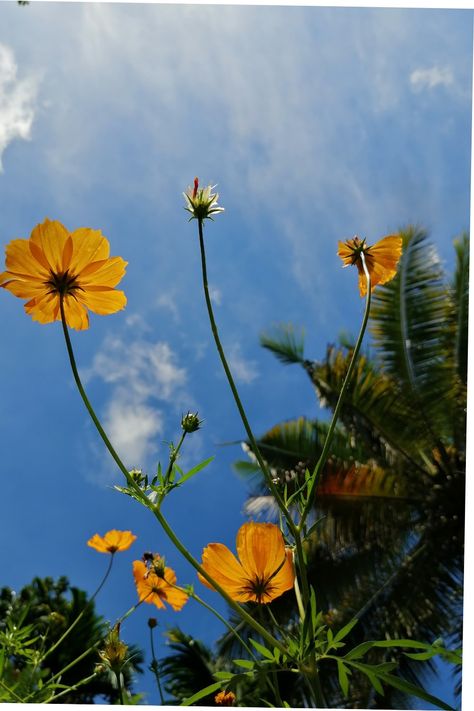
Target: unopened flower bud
152	622
201	202
114	653
190	422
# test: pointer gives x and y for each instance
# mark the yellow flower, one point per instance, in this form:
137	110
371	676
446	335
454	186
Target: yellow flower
265	570
381	259
201	202
112	541
157	590
225	698
75	265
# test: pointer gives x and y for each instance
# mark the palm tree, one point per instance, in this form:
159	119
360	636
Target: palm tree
49	607
389	546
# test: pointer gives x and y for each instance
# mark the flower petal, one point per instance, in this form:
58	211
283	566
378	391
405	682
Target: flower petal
88	246
102	301
51	236
76	315
20	260
261	549
223	566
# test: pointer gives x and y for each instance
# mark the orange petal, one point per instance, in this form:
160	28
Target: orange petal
98	543
88	246
44	308
285	578
51	236
107	272
104	301
76	315
24	289
261	549
223	566
20	260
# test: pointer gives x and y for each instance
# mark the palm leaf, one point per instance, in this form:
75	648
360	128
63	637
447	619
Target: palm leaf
284	343
409	319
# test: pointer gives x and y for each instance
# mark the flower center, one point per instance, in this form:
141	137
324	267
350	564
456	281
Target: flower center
62	283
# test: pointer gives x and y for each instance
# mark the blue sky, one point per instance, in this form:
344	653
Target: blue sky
317	124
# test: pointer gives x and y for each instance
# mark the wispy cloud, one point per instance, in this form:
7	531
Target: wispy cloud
17	101
430	78
144	375
244	371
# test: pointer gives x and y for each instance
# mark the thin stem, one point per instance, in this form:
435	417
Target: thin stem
154	509
204	604
85	399
154	667
91	600
324	454
118	676
54	697
238	402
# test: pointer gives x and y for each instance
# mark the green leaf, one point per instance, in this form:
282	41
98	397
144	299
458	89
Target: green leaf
263	650
245	663
284	344
342	673
223	675
201	694
359	651
345	630
408	688
195	470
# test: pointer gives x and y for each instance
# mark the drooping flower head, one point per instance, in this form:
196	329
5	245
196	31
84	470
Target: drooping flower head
154	582
225	698
75	266
201	202
381	259
112	541
264	570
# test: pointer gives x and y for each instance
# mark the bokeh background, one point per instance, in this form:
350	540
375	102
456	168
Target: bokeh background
316	124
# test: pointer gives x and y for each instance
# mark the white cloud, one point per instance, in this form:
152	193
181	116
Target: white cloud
133	427
168	302
244	371
216	295
143	375
429	78
147	369
17	101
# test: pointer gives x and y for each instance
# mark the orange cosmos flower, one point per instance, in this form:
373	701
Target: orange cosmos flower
157	589
112	541
225	698
75	265
265	570
381	259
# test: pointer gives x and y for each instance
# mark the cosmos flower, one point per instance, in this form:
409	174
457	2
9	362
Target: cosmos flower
157	589
225	698
112	541
381	259
264	571
201	202
55	263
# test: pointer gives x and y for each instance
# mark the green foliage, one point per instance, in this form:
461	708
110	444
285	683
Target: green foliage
388	543
33	668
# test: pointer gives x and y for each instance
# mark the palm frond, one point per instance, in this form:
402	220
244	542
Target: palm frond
409	319
284	343
189	669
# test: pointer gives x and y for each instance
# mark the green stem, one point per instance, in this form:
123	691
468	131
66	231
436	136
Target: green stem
118	676
154	667
66	633
324	454
55	697
238	402
204	604
85	399
154	509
